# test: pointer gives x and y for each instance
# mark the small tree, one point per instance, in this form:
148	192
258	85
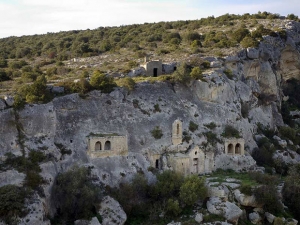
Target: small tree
182	74
102	82
74	195
157	132
192	189
196	73
127	83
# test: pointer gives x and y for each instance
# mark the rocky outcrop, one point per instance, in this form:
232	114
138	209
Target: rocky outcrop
246	200
11	177
111	212
228	210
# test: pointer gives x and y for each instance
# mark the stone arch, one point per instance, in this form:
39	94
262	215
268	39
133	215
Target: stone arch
107	145
238	149
98	146
230	149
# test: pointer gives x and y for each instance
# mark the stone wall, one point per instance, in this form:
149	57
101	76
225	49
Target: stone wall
108	145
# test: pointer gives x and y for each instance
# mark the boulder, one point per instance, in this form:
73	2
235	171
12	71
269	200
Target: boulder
111	212
252	53
174	223
2	104
199	217
137	72
291	222
255	218
228	210
270	217
93	221
216	64
58	90
245	200
9	100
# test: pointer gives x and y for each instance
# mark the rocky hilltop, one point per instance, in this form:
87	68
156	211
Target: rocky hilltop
252	95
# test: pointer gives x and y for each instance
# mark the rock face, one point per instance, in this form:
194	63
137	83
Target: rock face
11	177
228	210
2	104
111	212
246	200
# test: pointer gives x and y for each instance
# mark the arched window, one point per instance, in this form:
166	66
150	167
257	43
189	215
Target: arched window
177	130
98	146
238	149
230	149
107	145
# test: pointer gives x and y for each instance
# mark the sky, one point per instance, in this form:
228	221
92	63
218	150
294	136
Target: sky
29	17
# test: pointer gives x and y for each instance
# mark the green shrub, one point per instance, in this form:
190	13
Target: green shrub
102	82
246	189
12	203
192	190
210	125
173	208
267	195
288	133
157	133
3	75
193	126
186	137
228	73
74	195
230	131
249	42
127	83
196	73
157	108
211	137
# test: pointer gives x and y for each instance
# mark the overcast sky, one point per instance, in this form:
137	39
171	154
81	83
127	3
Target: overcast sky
28	17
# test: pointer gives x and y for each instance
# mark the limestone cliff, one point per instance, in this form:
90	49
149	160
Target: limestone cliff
66	122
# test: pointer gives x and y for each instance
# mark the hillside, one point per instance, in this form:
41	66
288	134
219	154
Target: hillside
87	137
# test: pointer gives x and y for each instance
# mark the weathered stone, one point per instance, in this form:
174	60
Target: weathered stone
252	53
291	222
228	210
112	212
9	100
255	218
11	177
270	217
246	200
137	72
199	217
58	89
2	104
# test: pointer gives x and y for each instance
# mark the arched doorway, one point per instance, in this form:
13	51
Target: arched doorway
98	146
107	145
238	149
177	130
230	149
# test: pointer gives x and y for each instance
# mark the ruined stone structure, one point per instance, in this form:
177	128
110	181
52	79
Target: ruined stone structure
153	68
177	132
107	145
235	146
193	161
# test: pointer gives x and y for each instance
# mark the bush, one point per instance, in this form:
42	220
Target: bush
173	208
196	73
211	125
267	195
211	137
249	42
12	203
3	75
230	131
127	83
102	82
192	189
288	133
182	74
74	195
193	126
157	133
